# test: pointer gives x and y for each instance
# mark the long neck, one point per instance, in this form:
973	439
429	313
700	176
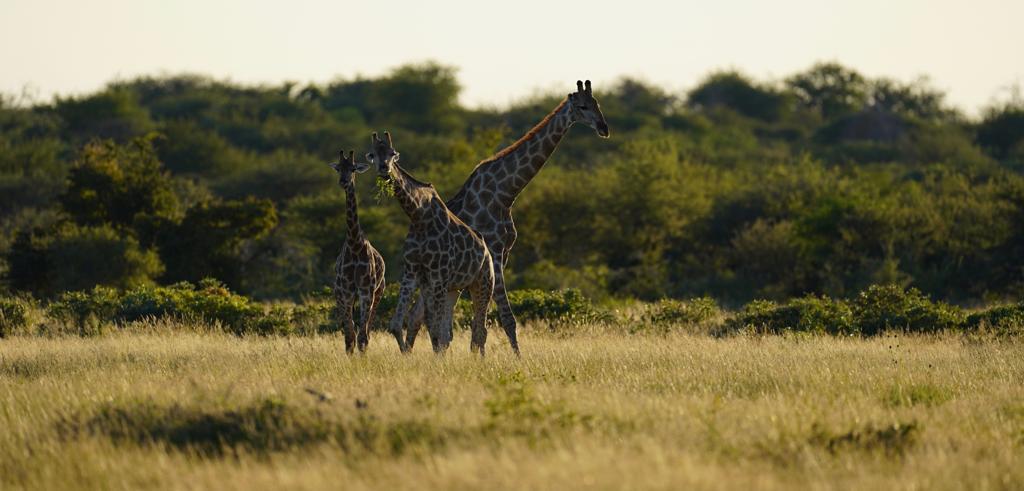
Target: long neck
355	232
413	195
524	158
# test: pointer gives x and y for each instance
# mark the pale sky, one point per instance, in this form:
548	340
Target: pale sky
972	49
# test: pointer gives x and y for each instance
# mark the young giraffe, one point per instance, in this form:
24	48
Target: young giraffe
359	270
442	254
485	200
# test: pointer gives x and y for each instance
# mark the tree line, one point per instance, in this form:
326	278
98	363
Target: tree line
824	182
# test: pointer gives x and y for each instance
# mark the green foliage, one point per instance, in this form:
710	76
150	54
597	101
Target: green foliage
808	314
557	308
15	315
885	307
384	189
208	239
829	89
210	302
187	148
823	183
113	113
875	310
700	312
1007	319
88	312
422	97
734	91
119	185
1001	131
79	257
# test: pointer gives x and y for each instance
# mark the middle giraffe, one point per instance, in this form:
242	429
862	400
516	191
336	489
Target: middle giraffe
485	200
442	255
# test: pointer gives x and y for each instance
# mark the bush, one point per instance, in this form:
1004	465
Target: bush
15	315
808	314
79	257
700	312
556	308
565	307
1004	319
87	311
884	307
210	302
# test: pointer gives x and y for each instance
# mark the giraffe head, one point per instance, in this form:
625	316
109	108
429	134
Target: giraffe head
585	109
347	167
382	153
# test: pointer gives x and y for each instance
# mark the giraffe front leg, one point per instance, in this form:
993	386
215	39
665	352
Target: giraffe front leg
416	321
363	328
405	292
345	317
505	315
448	316
374	301
435	297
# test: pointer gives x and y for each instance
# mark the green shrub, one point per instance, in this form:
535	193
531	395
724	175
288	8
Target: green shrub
565	307
86	311
883	307
211	302
152	302
1004	319
315	315
807	314
15	315
72	257
667	313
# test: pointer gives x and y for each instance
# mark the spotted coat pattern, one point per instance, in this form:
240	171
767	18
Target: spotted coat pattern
359	269
442	255
485	200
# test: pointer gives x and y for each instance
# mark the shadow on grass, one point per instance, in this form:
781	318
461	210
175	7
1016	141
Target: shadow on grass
272	425
264	426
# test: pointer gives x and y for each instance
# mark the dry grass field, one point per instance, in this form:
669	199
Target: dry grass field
598	409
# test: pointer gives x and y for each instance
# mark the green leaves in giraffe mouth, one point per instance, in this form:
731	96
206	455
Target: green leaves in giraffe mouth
385	189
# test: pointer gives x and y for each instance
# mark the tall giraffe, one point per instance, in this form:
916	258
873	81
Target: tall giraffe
359	270
442	255
485	200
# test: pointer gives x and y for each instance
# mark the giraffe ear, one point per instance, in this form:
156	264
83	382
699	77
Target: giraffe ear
579	86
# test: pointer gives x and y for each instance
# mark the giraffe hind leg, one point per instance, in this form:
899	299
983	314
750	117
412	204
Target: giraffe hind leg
505	315
481	296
